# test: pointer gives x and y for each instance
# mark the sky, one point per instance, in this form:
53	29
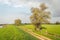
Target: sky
21	9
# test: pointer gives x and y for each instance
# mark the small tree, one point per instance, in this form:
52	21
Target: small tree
17	22
39	15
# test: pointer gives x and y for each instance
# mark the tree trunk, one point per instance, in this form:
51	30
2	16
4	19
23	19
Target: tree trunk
38	26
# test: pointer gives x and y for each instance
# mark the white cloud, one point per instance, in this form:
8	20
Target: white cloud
27	4
20	3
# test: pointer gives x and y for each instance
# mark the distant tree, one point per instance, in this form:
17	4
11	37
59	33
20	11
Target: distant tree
39	16
57	22
17	22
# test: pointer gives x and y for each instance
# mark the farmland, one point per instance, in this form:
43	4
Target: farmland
11	32
53	31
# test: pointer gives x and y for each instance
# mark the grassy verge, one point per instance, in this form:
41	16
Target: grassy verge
12	33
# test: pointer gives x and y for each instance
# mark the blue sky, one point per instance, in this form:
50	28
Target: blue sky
14	9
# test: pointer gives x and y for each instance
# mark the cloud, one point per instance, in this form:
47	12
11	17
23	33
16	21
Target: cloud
55	7
20	3
21	9
9	14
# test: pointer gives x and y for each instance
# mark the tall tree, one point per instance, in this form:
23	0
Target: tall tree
17	22
39	15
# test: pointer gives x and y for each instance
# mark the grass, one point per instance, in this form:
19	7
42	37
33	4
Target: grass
11	32
53	29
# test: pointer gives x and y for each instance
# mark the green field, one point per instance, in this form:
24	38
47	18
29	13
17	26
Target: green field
11	32
53	30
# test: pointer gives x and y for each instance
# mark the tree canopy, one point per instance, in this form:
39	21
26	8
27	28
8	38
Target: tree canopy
17	22
40	15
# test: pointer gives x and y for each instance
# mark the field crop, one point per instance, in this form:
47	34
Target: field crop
11	32
52	30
